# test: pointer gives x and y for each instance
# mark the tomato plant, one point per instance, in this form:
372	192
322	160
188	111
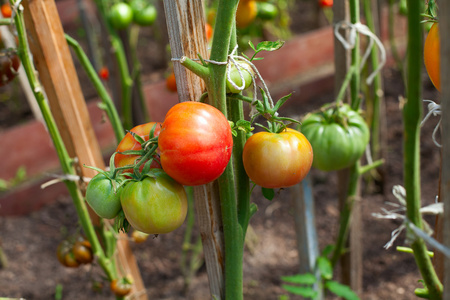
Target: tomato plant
276	160
156	204
266	10
122	286
432	55
325	3
6	10
82	250
66	256
209	31
138	236
144	14
104	73
102	196
246	13
247	73
130	143
195	143
338	135
121	15
171	82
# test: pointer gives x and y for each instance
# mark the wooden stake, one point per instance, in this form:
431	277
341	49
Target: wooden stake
186	27
58	76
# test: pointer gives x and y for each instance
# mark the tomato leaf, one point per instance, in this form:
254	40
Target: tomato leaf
327	250
307	278
281	101
324	265
269	194
269	46
304	291
341	290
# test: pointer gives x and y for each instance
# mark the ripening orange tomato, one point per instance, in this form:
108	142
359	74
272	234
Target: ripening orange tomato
6	10
432	56
246	13
171	82
209	31
104	73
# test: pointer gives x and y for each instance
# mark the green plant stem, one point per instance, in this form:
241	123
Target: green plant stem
134	38
110	109
392	42
348	77
412	115
125	77
233	234
64	158
355	55
346	212
374	100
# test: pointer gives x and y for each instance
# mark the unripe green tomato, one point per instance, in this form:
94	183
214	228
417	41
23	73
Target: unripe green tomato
247	73
101	197
266	11
157	204
144	14
339	137
121	15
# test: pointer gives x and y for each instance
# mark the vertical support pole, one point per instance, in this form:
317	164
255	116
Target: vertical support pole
186	28
351	261
444	30
58	76
305	228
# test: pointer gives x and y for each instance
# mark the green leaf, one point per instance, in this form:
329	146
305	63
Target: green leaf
21	174
304	291
3	185
341	290
137	137
306	278
281	101
269	46
251	45
268	193
327	250
325	267
244	125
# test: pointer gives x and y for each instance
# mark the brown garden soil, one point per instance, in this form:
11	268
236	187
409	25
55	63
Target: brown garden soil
33	272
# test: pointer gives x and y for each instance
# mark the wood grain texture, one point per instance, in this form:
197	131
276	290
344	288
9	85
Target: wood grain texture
58	76
186	27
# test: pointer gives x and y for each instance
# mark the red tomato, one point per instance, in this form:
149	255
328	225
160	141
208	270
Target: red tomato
104	73
171	82
195	143
209	31
6	10
326	3
432	56
130	143
276	160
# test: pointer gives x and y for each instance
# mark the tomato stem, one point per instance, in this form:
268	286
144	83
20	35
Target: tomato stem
412	115
101	90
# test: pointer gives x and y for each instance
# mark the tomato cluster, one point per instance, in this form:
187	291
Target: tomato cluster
72	254
141	12
152	163
9	67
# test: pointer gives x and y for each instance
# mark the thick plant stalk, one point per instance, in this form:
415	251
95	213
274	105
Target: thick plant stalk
412	115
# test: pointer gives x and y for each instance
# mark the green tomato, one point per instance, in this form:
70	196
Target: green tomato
102	198
266	11
144	14
247	73
121	15
338	135
157	204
